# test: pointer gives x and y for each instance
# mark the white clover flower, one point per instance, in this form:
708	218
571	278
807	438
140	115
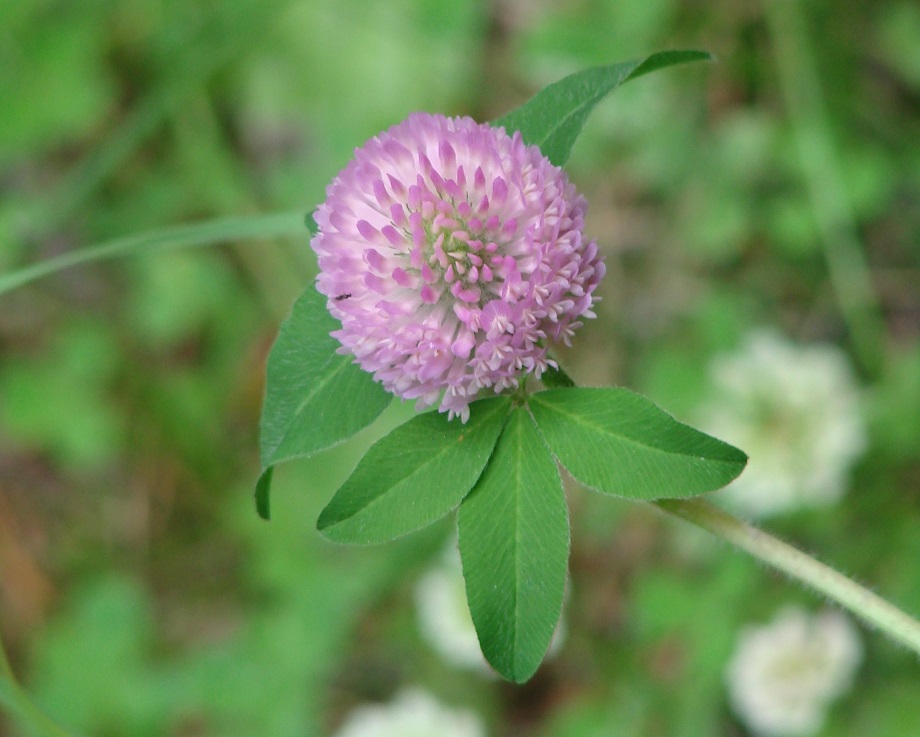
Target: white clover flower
795	410
784	675
413	713
444	618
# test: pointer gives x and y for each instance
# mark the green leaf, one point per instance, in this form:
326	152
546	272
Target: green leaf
263	491
556	378
514	544
621	443
553	118
314	397
198	234
414	476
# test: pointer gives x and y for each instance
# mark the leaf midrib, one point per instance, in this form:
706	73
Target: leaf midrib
517	472
399	482
581	420
590	102
317	387
402	480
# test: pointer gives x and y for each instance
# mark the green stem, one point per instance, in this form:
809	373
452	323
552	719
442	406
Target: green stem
197	234
20	707
823	177
872	608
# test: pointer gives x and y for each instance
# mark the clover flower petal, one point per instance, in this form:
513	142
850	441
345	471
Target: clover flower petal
451	253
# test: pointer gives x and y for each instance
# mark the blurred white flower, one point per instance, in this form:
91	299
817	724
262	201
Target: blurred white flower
784	675
795	410
444	618
413	713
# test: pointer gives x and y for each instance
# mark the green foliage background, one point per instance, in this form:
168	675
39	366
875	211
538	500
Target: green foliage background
139	593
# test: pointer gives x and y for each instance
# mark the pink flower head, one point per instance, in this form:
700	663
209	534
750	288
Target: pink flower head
451	252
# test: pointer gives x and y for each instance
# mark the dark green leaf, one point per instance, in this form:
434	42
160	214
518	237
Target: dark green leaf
314	397
621	443
514	543
553	118
414	476
263	490
556	378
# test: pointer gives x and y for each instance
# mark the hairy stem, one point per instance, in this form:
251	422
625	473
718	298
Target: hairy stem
870	607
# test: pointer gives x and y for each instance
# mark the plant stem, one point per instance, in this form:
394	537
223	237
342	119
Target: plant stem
197	234
872	608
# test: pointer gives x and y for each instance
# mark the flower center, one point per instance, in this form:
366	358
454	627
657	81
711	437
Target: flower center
458	247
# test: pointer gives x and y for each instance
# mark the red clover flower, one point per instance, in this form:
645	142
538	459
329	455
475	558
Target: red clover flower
450	252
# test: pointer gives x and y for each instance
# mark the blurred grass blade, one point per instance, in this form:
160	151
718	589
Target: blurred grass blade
195	53
16	703
197	234
553	118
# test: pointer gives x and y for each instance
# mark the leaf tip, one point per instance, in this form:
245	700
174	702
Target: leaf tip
738	456
323	523
310	222
557	378
664	59
521	678
513	672
327	525
263	488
